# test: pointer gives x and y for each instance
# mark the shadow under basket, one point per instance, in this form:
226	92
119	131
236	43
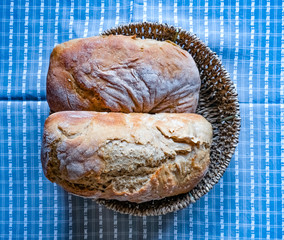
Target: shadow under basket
218	104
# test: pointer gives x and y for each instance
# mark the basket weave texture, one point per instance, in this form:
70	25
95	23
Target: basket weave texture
218	104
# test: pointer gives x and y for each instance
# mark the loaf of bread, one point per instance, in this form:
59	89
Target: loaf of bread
122	74
129	157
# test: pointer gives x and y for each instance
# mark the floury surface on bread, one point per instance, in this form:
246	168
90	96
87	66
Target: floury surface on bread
129	157
122	74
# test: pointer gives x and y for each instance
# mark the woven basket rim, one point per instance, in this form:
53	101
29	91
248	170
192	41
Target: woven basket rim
194	194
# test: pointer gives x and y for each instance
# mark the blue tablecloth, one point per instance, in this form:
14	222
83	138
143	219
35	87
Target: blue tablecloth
247	203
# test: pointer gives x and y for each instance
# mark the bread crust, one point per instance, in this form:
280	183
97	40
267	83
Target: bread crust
128	157
122	74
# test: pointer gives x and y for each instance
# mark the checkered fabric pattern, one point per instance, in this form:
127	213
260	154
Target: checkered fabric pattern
247	203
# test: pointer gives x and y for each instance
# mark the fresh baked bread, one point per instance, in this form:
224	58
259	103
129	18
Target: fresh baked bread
122	74
129	157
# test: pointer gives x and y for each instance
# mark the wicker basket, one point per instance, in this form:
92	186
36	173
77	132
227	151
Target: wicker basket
218	104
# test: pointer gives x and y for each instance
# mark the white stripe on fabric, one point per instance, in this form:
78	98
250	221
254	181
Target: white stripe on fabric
251	133
56	23
25	170
40	183
221	180
55	191
144	10
117	10
267	157
206	42
40	48
235	78
102	16
190	222
191	16
11	32
85	219
175	226
9	89
130	226
71	20
221	28
87	11
24	81
26	34
70	217
114	225
144	227
40	51
282	117
10	156
160	227
175	14
160	11
206	21
237	200
206	217
237	37
222	208
131	11
101	234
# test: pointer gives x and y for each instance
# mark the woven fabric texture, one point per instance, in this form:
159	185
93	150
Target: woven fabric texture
247	203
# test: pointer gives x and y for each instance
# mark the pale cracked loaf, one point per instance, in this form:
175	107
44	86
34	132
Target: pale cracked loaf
129	157
122	74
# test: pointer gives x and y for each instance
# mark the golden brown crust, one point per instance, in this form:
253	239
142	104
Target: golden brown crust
129	157
122	74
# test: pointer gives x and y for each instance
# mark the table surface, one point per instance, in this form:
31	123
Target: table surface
247	203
